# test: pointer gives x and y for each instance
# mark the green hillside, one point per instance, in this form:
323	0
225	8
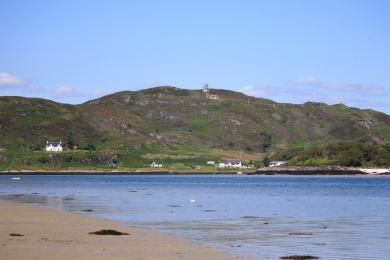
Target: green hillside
179	127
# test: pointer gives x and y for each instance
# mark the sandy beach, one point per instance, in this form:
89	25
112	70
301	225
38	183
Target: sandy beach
29	232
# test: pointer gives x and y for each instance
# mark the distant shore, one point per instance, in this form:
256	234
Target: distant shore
289	170
107	172
40	233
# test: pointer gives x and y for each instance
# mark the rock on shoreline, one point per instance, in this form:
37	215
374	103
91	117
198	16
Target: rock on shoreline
320	170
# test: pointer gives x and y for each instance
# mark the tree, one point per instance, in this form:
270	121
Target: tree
90	147
70	141
266	141
266	161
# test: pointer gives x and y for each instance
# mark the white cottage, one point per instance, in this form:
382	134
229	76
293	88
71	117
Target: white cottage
54	146
276	163
233	163
156	165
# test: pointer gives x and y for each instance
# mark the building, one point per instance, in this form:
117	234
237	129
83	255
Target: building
221	165
53	146
207	94
233	163
276	163
210	163
155	165
213	96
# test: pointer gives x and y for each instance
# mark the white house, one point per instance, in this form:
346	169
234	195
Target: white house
233	163
155	165
276	163
54	146
210	163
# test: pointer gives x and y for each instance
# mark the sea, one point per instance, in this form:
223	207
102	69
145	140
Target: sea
254	217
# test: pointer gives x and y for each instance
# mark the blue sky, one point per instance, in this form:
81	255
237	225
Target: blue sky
289	51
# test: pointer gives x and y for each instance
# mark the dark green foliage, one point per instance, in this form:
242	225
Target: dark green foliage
266	161
70	141
266	141
90	147
340	153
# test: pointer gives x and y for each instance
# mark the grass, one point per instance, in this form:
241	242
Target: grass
181	129
176	158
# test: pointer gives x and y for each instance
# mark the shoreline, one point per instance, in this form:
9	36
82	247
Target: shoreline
291	170
85	172
322	170
30	232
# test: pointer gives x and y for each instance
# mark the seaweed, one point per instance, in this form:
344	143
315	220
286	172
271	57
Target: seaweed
108	232
16	235
299	257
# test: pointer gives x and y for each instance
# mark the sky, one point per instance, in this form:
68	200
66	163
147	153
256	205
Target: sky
289	51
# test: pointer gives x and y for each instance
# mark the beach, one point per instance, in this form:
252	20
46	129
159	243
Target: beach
29	232
186	216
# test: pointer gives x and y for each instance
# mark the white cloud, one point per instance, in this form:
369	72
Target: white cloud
257	91
63	90
364	89
249	87
7	79
361	88
306	80
309	88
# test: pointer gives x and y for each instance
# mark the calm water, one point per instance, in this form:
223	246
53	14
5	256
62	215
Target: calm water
259	217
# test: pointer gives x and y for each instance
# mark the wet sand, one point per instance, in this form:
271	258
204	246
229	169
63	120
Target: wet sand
40	233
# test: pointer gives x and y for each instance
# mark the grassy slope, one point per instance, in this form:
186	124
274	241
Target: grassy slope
176	126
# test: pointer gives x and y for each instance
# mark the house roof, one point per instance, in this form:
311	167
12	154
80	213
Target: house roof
233	161
54	143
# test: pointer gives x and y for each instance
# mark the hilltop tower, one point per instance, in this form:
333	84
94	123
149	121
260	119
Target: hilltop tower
206	90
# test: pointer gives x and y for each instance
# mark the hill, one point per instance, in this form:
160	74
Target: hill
178	126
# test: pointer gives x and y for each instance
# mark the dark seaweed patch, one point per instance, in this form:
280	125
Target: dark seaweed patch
108	232
174	206
300	234
16	235
299	257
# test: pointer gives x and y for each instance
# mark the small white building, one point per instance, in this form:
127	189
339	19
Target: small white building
221	165
215	97
210	163
233	163
155	165
276	163
53	146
